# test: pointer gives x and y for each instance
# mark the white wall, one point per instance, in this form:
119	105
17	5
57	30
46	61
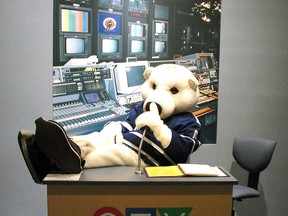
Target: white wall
25	94
253	95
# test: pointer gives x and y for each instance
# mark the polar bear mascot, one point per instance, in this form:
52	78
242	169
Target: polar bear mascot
171	130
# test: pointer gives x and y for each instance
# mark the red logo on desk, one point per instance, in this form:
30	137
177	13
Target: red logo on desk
108	211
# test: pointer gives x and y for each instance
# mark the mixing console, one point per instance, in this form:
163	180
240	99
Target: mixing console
87	118
80	102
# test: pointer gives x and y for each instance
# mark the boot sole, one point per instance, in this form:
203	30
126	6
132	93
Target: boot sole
52	140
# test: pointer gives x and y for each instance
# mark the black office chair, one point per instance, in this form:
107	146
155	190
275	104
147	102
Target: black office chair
253	155
37	163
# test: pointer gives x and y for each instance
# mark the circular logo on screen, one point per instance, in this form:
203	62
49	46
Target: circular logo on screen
109	24
108	211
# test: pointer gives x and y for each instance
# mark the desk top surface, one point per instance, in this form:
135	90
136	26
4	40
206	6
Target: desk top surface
127	175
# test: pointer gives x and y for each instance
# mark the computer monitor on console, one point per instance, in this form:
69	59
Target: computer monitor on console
129	77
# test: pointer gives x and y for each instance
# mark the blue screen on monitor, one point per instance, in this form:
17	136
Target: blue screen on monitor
109	24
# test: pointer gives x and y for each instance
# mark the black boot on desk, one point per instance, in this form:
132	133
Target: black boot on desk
52	140
38	163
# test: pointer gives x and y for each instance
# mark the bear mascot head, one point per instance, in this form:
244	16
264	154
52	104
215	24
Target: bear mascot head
169	94
172	87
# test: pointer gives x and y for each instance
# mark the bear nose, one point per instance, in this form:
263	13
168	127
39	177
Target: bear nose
159	108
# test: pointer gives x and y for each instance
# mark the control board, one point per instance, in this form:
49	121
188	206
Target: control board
80	102
80	118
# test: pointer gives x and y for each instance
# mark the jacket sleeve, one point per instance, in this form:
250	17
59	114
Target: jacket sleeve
185	132
129	123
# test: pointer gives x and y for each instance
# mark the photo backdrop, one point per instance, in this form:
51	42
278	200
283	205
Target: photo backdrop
183	32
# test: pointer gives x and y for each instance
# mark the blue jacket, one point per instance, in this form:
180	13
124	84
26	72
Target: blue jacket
185	129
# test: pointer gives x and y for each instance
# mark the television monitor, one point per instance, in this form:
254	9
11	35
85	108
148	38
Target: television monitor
143	6
137	39
161	12
109	23
138	6
74	46
160	46
109	47
159	49
74	38
133	4
137	46
160	39
113	4
75	19
129	77
160	28
138	30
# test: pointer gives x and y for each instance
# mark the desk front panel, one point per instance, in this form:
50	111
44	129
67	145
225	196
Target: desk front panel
140	200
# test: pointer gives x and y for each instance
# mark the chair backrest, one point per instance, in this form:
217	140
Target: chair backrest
253	155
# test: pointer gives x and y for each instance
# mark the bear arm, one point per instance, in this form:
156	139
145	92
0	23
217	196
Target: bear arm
181	146
163	134
112	133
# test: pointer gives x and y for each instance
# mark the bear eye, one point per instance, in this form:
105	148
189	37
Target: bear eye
174	90
154	86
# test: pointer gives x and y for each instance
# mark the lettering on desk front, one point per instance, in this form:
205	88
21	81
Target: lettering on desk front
111	211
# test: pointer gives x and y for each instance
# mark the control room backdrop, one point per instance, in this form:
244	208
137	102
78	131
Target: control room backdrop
152	31
253	96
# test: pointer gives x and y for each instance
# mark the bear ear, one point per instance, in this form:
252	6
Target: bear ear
147	72
192	84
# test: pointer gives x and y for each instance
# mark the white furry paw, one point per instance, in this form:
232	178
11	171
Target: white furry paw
112	133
